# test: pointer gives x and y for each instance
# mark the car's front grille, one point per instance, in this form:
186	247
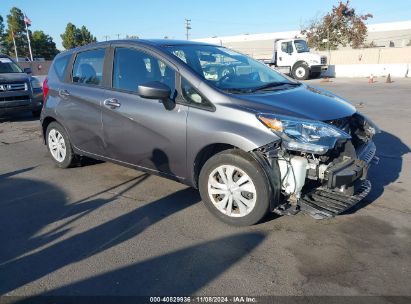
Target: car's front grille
12	87
14	98
323	60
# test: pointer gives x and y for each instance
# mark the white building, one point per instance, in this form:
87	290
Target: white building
392	34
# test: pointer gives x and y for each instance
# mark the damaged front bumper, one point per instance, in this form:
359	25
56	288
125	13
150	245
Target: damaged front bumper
318	188
346	185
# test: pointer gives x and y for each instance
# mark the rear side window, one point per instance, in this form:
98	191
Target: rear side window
133	67
88	67
60	65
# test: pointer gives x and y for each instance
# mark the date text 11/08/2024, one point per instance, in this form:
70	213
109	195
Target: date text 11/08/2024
203	299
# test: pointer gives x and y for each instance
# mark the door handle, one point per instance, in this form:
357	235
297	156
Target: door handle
112	103
64	93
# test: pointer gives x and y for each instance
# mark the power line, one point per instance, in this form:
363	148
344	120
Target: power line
188	27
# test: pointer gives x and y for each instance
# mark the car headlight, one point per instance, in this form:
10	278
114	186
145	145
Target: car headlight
303	135
35	83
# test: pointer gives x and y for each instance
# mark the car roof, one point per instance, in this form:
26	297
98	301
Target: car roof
148	42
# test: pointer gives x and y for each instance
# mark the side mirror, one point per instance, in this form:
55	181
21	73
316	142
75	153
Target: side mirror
156	90
28	71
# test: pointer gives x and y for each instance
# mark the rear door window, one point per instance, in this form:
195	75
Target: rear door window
88	67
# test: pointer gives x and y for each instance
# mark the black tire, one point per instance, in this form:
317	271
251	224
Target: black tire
70	158
315	75
300	71
246	163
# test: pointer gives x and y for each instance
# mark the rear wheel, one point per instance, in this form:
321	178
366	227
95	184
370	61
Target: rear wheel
234	188
59	146
300	71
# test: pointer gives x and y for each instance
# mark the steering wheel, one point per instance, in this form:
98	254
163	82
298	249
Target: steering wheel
226	74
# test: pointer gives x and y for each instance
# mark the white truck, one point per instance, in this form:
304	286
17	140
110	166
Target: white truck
290	56
293	57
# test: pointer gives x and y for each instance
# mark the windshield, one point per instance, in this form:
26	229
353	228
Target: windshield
8	66
301	46
226	69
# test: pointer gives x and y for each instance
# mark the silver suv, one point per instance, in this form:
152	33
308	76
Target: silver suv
250	139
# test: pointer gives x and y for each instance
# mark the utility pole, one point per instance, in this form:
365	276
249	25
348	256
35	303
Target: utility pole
118	36
188	27
106	37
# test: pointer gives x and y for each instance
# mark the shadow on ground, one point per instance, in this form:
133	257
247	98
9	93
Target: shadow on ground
35	235
390	150
182	272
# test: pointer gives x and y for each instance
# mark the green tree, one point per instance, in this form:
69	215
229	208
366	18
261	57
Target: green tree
340	27
2	35
73	36
16	26
70	37
43	45
85	36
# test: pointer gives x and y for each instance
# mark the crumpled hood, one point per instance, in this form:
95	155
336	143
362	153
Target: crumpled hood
303	102
13	77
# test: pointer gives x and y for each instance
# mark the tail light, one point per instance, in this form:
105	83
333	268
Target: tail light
45	89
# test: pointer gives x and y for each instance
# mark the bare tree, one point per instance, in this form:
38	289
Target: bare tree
340	27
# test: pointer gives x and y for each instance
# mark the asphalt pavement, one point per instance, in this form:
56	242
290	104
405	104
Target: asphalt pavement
102	229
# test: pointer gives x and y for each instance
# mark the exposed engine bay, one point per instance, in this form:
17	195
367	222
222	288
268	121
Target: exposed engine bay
330	183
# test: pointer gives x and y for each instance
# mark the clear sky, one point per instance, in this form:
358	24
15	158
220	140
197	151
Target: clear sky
156	19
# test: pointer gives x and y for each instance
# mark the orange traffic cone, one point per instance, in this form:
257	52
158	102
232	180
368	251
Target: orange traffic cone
371	79
388	79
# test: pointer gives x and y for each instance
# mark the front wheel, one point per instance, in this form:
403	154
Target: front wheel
300	71
234	188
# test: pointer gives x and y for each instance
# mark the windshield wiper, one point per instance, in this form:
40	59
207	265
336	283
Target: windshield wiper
236	90
273	85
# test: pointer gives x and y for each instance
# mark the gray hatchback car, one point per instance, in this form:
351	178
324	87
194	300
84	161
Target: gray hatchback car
250	139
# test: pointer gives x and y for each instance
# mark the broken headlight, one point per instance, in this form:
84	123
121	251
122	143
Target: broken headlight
368	125
303	135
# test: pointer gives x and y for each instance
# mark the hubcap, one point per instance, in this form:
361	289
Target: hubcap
300	72
231	191
57	146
